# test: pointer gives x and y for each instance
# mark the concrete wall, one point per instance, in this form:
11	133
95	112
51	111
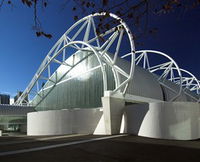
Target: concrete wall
58	122
165	120
49	123
113	109
162	120
85	120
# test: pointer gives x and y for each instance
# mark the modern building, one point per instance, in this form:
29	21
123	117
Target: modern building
4	99
85	85
19	93
14	118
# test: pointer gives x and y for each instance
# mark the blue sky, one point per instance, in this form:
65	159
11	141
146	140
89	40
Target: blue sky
21	52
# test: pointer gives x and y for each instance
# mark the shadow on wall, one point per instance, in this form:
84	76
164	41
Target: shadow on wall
135	115
85	120
180	120
164	120
59	122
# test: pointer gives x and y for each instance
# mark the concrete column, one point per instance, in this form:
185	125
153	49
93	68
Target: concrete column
113	108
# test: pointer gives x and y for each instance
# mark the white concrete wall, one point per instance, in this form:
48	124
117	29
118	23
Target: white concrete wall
162	120
85	120
166	120
113	109
54	122
58	122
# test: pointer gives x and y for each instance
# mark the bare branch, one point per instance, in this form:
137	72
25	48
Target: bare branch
2	2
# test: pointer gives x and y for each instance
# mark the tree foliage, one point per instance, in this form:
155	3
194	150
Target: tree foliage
135	12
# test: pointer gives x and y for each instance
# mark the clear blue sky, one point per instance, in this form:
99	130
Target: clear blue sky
21	52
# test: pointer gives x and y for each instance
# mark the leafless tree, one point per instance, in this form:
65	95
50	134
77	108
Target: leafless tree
135	11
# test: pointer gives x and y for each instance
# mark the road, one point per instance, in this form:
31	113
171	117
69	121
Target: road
90	148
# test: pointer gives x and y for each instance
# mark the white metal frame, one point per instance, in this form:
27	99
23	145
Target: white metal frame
91	44
190	82
167	68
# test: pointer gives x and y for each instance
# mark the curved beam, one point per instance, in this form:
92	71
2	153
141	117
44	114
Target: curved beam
100	51
193	78
38	75
173	62
166	67
131	40
190	82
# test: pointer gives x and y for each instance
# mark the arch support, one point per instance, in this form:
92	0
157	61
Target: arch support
164	70
83	36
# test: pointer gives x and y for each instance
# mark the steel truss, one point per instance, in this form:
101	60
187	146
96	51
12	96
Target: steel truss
82	36
164	71
189	82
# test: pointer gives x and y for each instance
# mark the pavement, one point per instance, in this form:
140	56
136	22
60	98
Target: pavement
91	148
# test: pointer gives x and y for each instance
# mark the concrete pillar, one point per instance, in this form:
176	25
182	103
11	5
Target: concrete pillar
113	108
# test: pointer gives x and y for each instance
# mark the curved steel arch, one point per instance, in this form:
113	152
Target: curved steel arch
99	50
38	75
167	68
190	82
111	62
198	89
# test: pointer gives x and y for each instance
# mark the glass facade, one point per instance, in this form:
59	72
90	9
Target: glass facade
12	123
81	87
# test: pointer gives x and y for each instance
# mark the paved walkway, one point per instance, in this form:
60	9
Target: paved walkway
88	148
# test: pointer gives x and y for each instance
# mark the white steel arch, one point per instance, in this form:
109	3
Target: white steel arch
83	36
198	89
166	68
190	82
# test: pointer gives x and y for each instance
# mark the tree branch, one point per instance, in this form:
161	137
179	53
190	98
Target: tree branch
1	4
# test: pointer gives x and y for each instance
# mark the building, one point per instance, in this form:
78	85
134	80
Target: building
4	99
94	88
14	118
19	93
